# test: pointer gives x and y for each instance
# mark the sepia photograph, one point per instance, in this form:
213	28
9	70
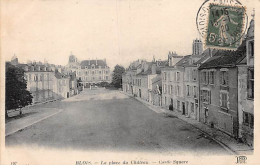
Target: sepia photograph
129	82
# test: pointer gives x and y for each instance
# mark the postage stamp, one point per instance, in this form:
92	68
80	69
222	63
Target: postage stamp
225	26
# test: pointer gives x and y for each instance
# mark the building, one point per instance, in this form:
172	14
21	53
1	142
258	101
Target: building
197	47
143	79
90	72
73	84
129	79
61	84
191	82
246	91
168	75
218	90
155	82
46	82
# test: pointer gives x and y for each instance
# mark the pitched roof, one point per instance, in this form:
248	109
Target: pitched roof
251	29
224	58
96	63
184	61
59	75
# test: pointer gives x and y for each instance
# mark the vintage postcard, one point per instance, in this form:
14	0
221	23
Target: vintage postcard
129	82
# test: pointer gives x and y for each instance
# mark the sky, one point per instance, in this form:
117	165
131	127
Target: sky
119	31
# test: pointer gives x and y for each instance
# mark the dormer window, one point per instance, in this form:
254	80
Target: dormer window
93	66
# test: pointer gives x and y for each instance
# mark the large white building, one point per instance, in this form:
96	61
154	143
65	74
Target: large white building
90	71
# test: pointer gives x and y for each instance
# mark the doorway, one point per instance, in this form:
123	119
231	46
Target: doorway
183	108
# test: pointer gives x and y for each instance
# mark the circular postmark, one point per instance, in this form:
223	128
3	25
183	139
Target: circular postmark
222	23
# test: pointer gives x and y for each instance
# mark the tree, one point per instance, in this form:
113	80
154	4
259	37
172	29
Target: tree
117	76
16	95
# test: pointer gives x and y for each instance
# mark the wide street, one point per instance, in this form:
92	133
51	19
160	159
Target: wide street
109	120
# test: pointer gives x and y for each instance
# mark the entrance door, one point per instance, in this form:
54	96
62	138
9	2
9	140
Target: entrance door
206	113
183	108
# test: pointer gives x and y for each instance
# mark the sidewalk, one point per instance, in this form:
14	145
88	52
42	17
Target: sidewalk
227	142
32	117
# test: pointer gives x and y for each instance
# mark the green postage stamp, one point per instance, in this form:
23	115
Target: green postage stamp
225	26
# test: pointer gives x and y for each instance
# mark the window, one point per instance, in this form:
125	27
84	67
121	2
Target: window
194	74
165	88
30	77
93	72
211	77
205	96
36	77
99	77
178	90
224	100
195	92
86	72
171	89
178	76
188	90
106	77
224	77
99	72
164	75
251	48
41	77
192	107
248	119
178	104
250	87
204	77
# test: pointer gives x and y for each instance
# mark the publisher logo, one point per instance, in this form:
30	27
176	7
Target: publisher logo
241	159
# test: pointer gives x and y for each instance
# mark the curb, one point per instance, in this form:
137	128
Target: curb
226	147
32	123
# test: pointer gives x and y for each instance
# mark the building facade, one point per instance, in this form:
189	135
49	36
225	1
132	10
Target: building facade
246	91
45	81
90	72
218	90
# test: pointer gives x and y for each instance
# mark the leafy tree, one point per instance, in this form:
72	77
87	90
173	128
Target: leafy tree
16	95
117	76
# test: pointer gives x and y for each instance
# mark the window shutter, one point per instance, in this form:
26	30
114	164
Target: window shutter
220	100
228	101
227	76
221	77
209	97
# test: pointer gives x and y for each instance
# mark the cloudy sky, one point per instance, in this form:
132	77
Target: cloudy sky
119	30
